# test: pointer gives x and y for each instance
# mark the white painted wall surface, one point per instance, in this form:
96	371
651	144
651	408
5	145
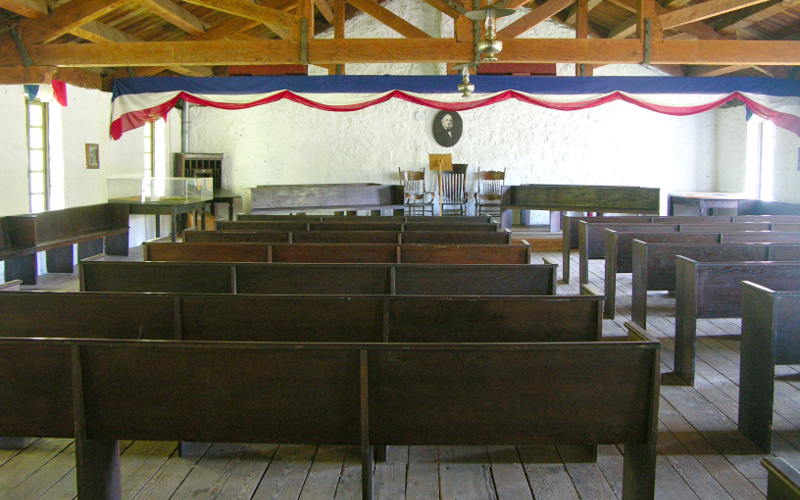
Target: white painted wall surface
14	170
731	146
786	178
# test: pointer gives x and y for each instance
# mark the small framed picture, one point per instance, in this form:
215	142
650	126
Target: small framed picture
92	156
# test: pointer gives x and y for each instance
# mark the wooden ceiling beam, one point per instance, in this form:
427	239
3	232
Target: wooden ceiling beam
736	16
283	24
411	50
698	29
43	75
232	26
175	15
325	9
102	33
715	70
33	9
305	9
389	18
532	18
572	13
701	11
66	18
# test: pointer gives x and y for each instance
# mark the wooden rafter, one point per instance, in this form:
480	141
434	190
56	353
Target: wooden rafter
723	22
305	9
701	11
66	18
572	14
324	8
33	9
411	50
175	15
698	29
739	26
283	24
452	9
532	18
389	18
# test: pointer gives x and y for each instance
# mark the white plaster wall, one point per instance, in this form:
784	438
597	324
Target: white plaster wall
786	179
14	170
731	150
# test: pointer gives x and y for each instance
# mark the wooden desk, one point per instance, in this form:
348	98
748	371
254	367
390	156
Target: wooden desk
704	203
173	209
225	196
559	197
302	197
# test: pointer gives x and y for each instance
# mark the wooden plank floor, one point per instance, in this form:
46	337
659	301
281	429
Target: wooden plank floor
701	454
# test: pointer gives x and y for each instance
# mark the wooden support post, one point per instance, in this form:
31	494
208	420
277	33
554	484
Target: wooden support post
367	484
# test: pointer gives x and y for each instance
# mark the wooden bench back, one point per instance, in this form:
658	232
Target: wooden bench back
283	278
337	252
356	226
767	218
444	394
761	236
366	218
282	318
728	227
620	243
440	237
713	289
656	261
237	236
592	239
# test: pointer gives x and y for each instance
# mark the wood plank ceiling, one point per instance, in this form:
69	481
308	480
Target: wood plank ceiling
90	42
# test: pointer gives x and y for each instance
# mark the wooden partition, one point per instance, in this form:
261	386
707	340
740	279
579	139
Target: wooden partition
285	278
310	318
338	252
770	336
713	290
366	394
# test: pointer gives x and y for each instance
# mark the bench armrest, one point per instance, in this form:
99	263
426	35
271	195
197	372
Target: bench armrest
636	332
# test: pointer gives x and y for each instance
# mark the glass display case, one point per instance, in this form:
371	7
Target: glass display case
160	190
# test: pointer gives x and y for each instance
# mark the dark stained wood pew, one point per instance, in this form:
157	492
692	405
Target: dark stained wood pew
619	252
713	290
767	218
338	252
465	237
289	278
368	218
310	318
591	236
355	226
783	480
95	228
654	264
10	286
101	391
770	336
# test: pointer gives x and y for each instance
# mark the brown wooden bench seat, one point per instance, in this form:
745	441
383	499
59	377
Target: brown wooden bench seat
713	290
368	218
770	337
338	252
592	236
654	264
464	237
102	391
290	278
310	318
356	226
783	480
95	228
619	251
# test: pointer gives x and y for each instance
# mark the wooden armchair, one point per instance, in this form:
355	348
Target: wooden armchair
417	201
490	192
454	190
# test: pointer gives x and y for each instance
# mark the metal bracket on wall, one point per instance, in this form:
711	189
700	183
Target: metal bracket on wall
304	41
648	28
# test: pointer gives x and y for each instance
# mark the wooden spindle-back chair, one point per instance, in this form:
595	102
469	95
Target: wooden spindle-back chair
454	190
490	192
416	199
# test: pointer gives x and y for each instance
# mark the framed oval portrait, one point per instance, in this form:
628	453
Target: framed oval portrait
447	128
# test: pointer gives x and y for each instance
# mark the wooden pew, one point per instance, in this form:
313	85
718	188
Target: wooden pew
101	391
355	226
95	228
619	252
368	218
767	218
10	286
465	237
770	330
712	290
654	264
569	226
288	278
310	318
338	252
783	480
592	236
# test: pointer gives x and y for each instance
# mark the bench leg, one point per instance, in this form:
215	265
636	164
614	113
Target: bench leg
117	244
639	471
60	260
90	248
506	218
23	268
381	453
367	482
98	469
